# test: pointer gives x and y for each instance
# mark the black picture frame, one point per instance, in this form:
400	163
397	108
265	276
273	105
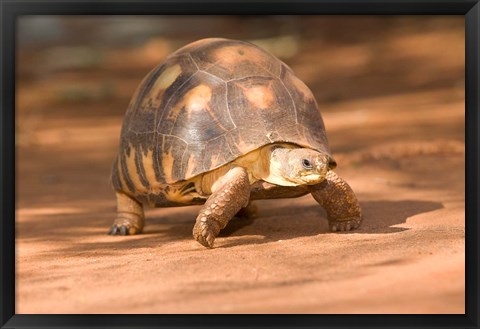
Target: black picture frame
10	10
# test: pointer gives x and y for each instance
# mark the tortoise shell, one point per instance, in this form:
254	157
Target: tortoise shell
209	103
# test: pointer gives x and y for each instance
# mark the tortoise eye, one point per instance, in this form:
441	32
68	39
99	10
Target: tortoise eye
306	164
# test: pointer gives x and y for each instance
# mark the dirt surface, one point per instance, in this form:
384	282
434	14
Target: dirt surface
394	113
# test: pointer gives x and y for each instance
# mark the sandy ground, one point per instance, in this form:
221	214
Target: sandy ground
402	151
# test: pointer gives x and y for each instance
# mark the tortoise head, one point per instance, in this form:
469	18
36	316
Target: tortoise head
301	166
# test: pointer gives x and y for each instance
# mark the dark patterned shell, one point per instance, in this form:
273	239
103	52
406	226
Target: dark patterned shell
209	103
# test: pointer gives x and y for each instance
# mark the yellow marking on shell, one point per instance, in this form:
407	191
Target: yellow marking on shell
240	53
190	166
301	86
260	96
195	99
167	78
120	175
132	171
242	146
198	43
148	166
167	164
198	98
215	161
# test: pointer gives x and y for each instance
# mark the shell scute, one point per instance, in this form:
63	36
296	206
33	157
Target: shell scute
169	157
230	60
309	119
217	152
262	102
196	111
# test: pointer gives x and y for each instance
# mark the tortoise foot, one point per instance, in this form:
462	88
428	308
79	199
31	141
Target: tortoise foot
127	224
344	225
205	232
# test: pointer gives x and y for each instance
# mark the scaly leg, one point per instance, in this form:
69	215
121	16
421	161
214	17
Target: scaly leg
130	218
339	201
230	193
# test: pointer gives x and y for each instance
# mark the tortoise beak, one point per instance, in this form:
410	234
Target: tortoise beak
323	164
332	164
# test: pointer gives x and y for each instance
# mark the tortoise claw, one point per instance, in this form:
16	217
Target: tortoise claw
127	225
210	239
205	233
121	230
206	241
113	230
345	225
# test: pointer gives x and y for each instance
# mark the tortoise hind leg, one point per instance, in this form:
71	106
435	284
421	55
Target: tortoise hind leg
230	193
339	201
130	217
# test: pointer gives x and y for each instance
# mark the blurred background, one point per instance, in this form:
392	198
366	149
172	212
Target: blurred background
390	89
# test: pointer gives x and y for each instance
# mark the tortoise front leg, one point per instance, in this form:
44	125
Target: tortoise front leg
230	193
339	201
130	217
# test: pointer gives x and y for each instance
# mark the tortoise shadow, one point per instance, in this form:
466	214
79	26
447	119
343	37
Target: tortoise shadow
292	221
380	217
273	223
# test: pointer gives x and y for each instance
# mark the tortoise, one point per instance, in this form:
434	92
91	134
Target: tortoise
222	123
